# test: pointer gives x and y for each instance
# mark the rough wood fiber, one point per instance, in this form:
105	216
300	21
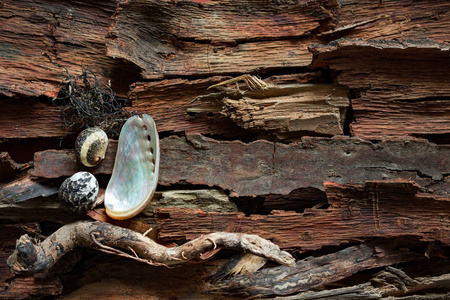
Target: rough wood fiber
37	120
393	19
316	272
263	167
280	110
72	34
216	37
167	101
401	85
170	103
357	212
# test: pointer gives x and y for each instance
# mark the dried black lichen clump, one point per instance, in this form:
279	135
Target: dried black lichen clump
88	102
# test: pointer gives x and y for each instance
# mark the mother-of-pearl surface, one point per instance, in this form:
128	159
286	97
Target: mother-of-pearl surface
136	168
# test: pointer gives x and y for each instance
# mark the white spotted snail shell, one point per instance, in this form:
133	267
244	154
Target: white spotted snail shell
78	193
91	146
136	168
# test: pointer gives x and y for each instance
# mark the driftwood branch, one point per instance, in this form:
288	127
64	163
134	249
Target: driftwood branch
34	256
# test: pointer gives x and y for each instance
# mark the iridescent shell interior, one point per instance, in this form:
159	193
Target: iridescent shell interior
136	168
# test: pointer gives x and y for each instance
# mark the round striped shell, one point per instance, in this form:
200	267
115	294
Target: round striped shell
91	146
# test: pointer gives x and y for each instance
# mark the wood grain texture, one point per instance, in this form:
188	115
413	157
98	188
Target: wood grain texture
357	212
170	103
400	85
36	33
290	111
392	20
37	120
262	167
217	37
316	272
167	101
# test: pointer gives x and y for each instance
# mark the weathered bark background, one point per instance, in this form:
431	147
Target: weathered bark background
343	159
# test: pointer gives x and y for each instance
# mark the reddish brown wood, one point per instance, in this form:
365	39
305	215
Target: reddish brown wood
357	212
37	120
400	85
167	102
392	19
36	33
216	37
263	167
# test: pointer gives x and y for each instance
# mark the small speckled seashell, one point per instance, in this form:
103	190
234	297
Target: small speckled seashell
78	193
135	175
91	146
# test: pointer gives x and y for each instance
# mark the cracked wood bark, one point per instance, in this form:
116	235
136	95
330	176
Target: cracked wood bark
215	37
316	272
168	102
37	120
418	104
72	34
357	212
392	19
262	167
284	111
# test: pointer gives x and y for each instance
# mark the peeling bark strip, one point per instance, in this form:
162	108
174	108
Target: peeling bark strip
400	84
285	111
189	38
263	167
32	256
377	209
315	272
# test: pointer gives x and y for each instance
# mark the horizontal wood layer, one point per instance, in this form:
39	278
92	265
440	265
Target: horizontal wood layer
357	212
37	34
218	37
263	167
393	19
283	111
400	85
